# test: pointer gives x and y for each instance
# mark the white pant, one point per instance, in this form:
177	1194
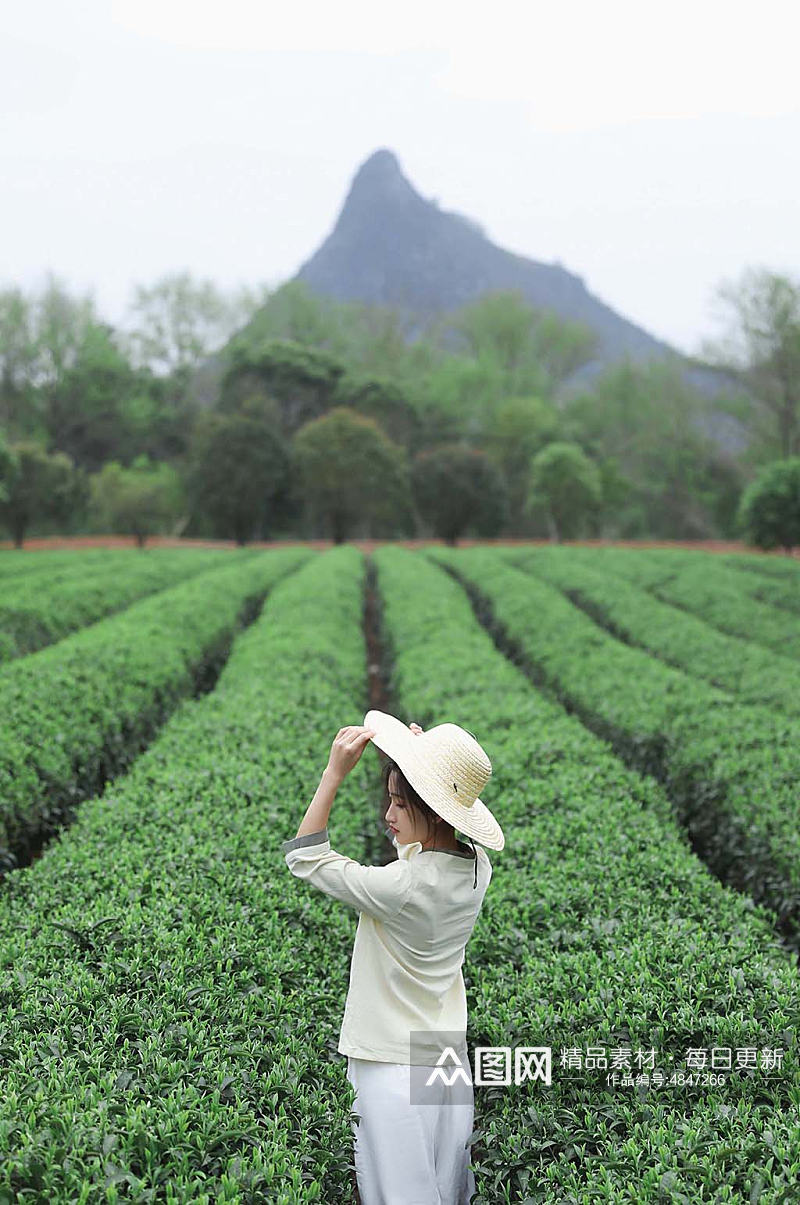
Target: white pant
408	1154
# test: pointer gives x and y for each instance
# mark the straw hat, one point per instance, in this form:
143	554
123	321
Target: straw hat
447	768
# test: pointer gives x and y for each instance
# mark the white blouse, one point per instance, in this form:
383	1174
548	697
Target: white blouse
416	915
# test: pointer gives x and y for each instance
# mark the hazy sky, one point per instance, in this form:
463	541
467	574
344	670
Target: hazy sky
653	149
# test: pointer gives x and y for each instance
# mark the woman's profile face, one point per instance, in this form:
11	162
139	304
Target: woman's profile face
407	824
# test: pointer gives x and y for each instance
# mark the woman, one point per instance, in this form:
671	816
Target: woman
406	1003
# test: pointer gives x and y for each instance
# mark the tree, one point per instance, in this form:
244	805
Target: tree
567	485
460	394
301	379
534	348
616	489
295	313
43	487
237	468
156	418
769	511
351	474
457	489
61	322
372	339
518	429
762	348
141	500
17	362
177	321
9	467
380	399
675	483
86	410
40	337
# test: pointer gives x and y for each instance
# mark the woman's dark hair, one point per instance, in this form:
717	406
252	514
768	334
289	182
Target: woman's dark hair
411	797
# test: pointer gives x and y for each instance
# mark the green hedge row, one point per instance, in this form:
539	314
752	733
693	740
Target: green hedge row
782	567
171	996
37	610
75	713
730	768
776	591
18	563
704	588
600	928
754	674
738	574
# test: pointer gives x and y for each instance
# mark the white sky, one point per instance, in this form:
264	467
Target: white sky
652	149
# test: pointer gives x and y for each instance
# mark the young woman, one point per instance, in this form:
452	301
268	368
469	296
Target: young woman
406	1010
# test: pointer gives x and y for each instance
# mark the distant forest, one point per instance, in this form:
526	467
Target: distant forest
268	415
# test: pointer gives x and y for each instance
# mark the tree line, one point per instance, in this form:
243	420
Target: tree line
265	414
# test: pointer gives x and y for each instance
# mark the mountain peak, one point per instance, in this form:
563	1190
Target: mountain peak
378	189
381	166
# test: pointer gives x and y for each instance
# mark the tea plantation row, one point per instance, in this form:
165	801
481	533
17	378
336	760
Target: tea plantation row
79	711
37	609
17	563
704	587
751	672
776	566
730	768
771	580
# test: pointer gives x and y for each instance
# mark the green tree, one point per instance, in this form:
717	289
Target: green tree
518	429
380	399
87	411
616	489
567	485
458	489
301	379
17	363
143	500
769	510
761	348
373	340
40	336
66	382
643	417
459	396
351	475
44	487
177	321
294	313
156	420
61	321
237	468
380	340
533	348
9	467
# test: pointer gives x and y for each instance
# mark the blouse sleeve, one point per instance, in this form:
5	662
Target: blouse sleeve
380	891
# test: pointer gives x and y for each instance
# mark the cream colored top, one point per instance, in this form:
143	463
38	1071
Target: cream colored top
416	915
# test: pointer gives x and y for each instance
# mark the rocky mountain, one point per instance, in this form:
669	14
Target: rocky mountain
391	246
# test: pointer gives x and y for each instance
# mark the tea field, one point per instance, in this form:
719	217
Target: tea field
171	997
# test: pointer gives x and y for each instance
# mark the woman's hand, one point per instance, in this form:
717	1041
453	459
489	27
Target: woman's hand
415	728
348	745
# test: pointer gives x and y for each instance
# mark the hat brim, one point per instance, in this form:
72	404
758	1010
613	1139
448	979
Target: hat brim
399	743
